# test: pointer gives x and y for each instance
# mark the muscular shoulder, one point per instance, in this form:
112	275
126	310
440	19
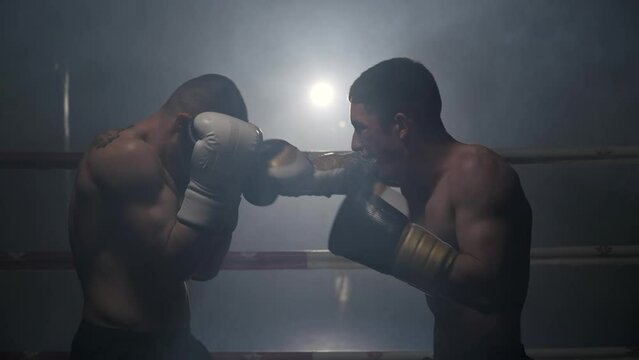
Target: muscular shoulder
479	176
123	163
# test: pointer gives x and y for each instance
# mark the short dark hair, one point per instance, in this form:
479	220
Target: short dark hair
398	85
210	92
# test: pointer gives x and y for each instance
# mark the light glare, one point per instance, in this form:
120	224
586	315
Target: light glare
321	94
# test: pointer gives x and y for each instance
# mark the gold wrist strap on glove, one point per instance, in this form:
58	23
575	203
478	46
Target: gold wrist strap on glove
422	259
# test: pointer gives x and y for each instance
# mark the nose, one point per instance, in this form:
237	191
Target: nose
356	143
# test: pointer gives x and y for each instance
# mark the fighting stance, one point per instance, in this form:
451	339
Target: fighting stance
154	205
466	241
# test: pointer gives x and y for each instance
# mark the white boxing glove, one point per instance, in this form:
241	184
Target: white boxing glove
225	149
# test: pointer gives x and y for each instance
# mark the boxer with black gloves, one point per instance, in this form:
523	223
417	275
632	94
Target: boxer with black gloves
154	205
466	239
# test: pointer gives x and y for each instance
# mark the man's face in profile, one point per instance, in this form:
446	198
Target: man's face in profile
376	142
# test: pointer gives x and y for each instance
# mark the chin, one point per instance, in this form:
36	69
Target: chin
388	177
391	182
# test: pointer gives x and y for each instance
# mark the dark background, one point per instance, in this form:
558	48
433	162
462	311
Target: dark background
520	73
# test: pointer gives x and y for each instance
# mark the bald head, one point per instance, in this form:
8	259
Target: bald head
211	92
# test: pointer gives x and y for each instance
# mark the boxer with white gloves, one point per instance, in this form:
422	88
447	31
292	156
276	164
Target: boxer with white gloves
154	205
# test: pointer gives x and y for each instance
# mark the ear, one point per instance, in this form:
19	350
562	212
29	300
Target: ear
183	125
182	119
402	125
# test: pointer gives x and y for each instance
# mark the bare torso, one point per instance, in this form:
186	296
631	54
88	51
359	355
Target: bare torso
123	283
460	330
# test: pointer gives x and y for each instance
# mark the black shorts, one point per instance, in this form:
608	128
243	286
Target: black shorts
515	352
98	342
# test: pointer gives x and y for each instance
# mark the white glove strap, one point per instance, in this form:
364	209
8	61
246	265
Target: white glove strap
200	210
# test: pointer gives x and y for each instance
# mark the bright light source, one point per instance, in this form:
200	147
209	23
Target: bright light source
322	94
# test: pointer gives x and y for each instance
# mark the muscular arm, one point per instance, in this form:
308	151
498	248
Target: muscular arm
483	194
132	182
212	259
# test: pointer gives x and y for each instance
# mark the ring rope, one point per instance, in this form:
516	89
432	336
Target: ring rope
69	160
323	259
537	353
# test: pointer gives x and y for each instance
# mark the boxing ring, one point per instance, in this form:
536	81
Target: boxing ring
567	256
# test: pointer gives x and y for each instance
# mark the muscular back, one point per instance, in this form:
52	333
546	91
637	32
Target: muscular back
479	207
130	253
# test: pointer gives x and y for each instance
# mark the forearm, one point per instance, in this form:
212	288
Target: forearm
286	171
210	265
339	174
321	183
188	249
469	283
